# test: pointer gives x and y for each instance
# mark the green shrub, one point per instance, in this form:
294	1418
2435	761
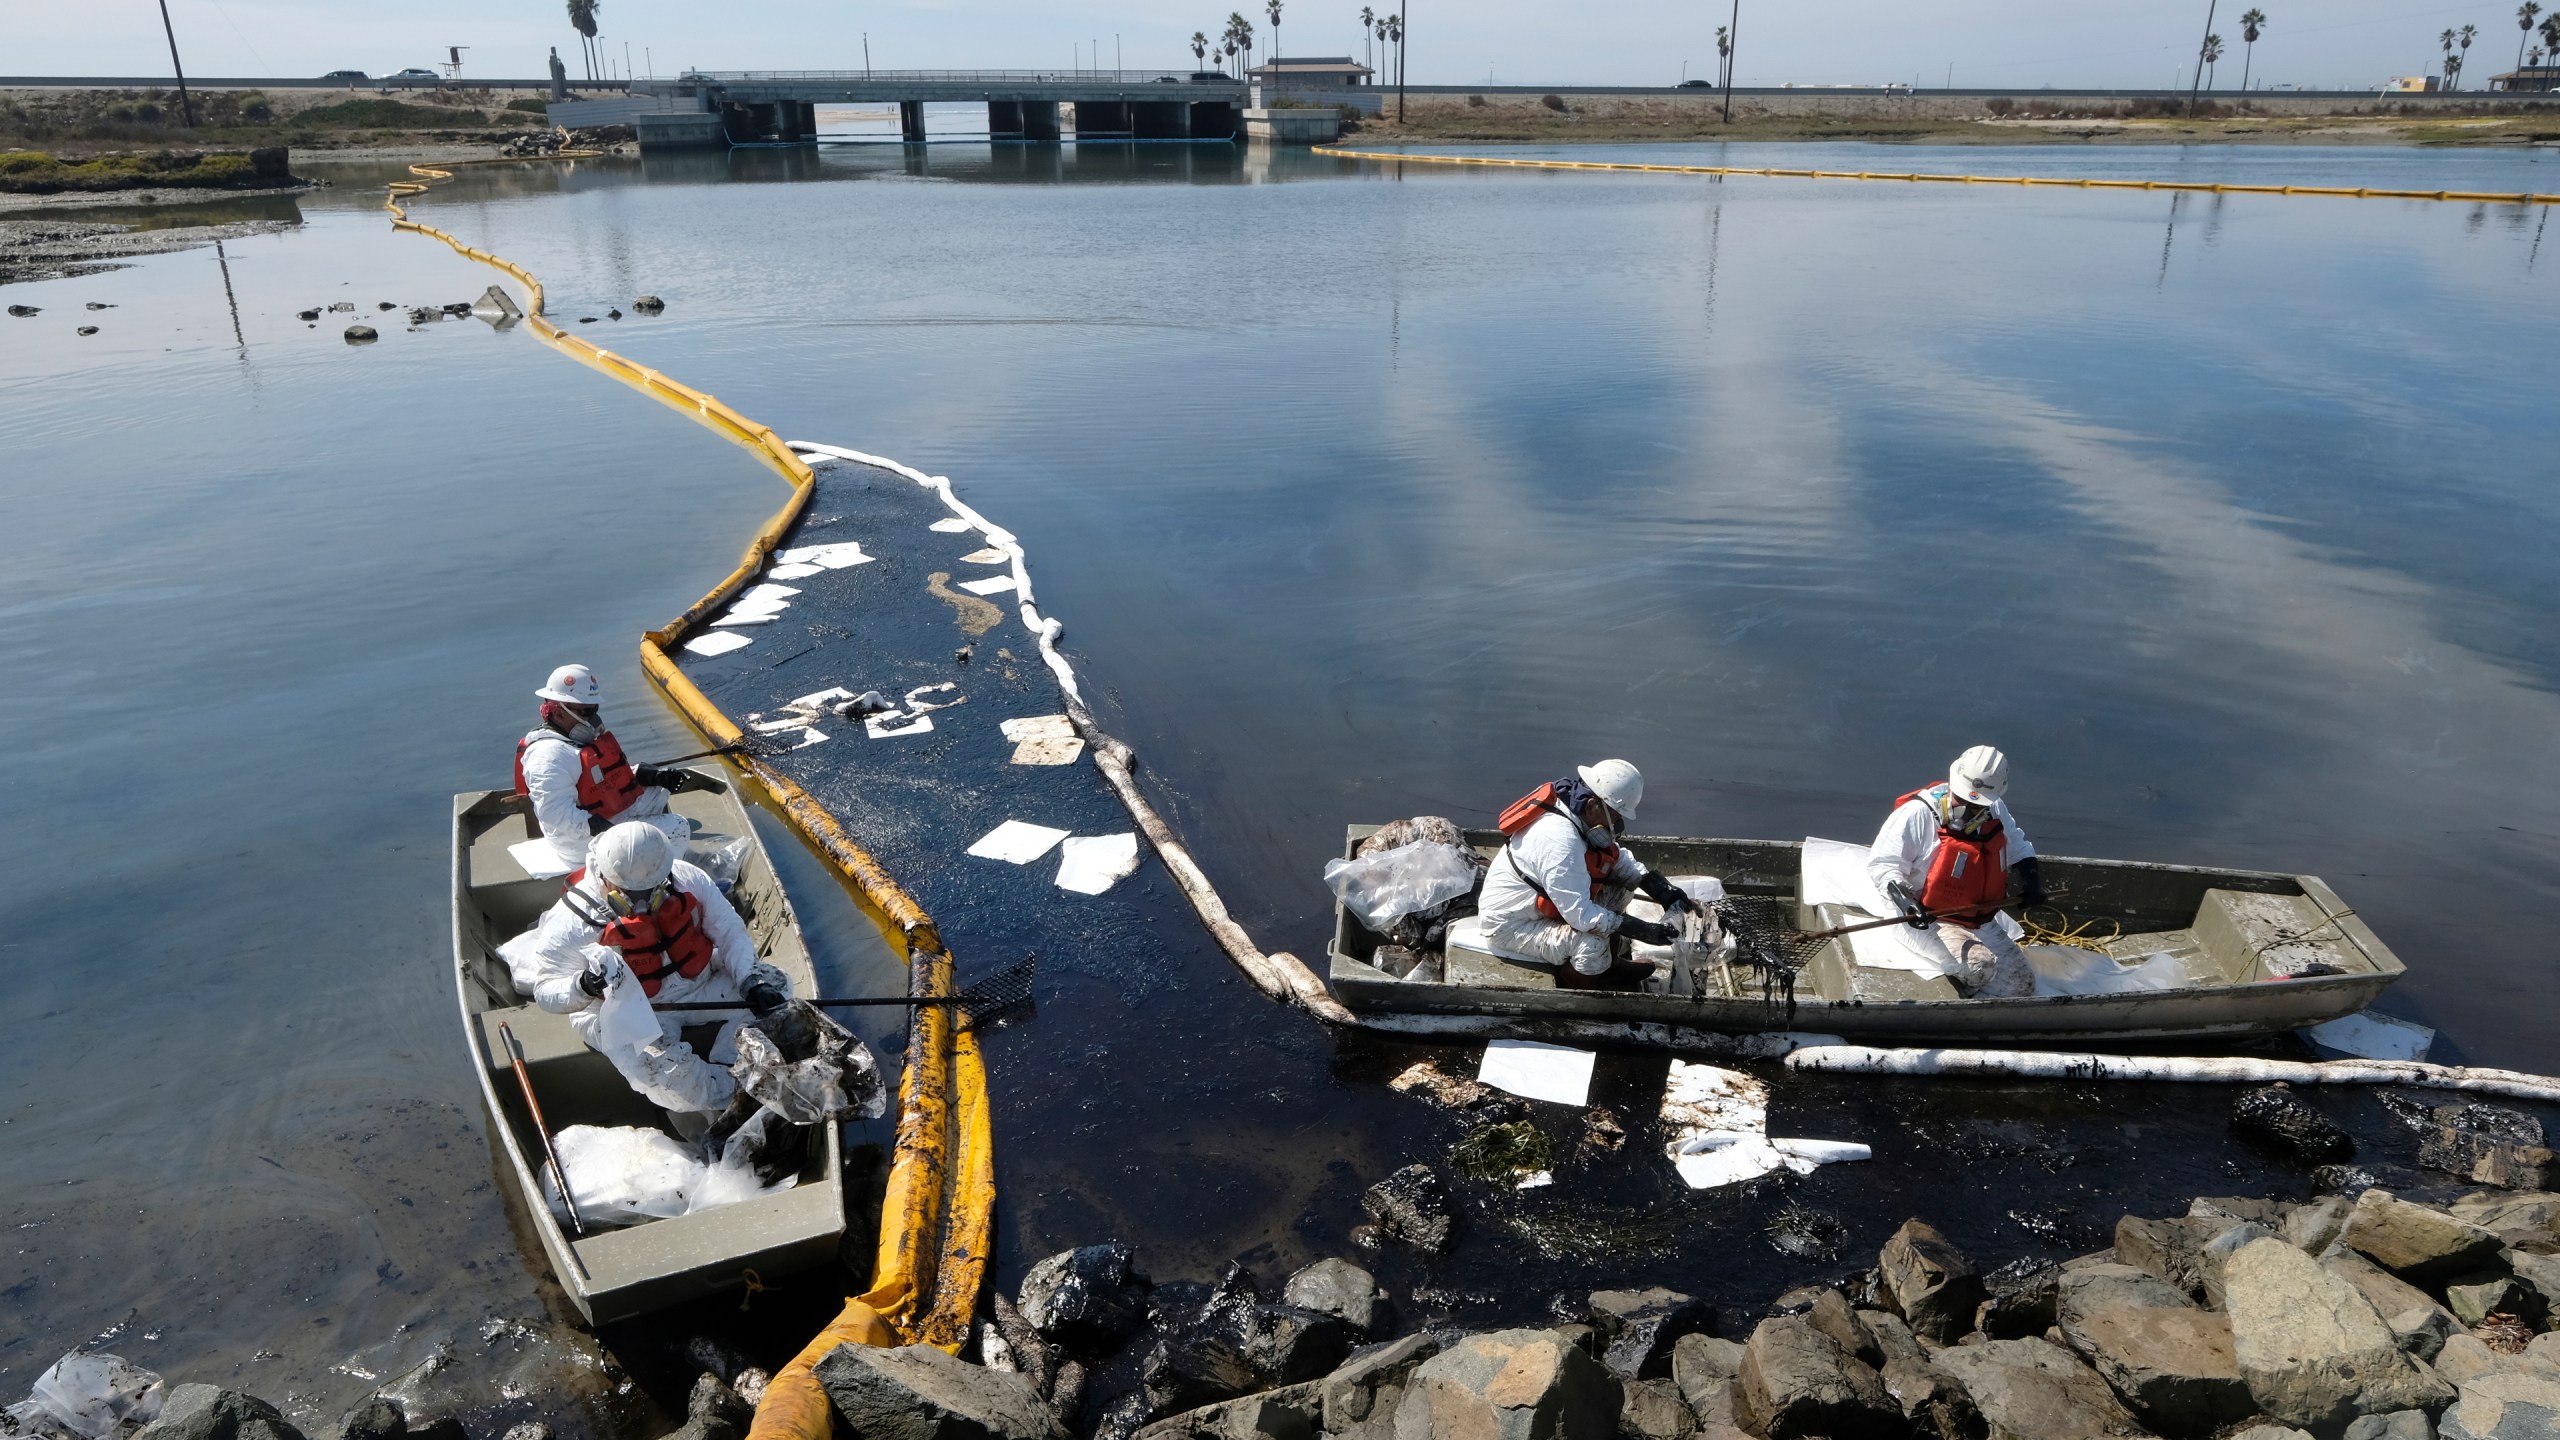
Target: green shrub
528	107
380	115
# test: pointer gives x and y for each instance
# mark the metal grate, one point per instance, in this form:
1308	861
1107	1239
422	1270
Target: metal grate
1768	923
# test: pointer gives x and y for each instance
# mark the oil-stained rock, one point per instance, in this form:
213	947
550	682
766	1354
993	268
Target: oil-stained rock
2276	1117
1798	1383
1412	1206
920	1392
1638	1328
1930	1282
1087	1299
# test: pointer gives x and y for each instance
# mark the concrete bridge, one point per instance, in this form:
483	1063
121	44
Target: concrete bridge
747	106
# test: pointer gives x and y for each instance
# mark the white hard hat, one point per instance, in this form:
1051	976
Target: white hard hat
1979	776
1619	785
573	685
633	855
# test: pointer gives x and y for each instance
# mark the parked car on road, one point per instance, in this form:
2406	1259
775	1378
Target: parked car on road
347	75
1697	84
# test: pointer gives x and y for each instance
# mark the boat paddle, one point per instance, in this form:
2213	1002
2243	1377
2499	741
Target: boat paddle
541	1127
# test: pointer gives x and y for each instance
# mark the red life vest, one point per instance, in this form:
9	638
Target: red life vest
656	943
1520	814
1969	874
606	782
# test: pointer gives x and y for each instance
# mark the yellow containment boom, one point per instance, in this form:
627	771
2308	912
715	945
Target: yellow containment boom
937	1223
1398	157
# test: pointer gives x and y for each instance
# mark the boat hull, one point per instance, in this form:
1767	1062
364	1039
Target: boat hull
2142	897
617	1274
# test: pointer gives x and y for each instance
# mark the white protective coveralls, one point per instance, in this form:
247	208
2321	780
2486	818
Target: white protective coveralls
1984	960
1551	852
548	959
551	783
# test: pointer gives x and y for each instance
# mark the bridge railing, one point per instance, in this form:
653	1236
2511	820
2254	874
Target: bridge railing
963	77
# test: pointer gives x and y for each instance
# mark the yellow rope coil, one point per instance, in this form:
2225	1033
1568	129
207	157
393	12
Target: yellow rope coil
1398	157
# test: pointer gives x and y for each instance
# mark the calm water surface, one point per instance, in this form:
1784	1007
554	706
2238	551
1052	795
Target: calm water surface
1362	494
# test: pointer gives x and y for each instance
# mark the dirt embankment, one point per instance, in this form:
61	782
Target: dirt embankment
78	124
1564	119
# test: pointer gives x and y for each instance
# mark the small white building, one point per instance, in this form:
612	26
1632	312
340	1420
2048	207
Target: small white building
1311	72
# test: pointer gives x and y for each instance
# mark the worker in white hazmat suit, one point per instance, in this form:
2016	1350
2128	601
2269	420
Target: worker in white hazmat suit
574	774
1559	890
645	928
1946	858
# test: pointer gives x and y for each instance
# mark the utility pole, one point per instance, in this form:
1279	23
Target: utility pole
186	106
1401	62
1732	54
2197	85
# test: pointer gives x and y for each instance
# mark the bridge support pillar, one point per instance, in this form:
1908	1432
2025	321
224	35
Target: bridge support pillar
1215	120
1040	121
911	121
1160	119
1004	119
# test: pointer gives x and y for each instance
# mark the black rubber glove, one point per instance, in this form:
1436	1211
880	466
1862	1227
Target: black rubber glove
1657	887
763	997
592	981
2029	875
1900	894
1647	931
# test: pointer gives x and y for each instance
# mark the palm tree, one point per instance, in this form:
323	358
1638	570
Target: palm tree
1199	48
2251	23
1368	24
582	16
1273	10
2524	24
2451	66
2468	32
2551	34
2211	53
1724	52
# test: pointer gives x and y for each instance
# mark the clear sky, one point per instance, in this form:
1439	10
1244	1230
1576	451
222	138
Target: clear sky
2349	43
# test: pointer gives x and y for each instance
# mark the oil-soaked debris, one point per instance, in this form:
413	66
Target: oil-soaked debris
649	305
1427	1081
1502	1153
1593	1235
1601	1130
2343	1179
2504	1333
2060	1225
2276	1118
1412	1206
1638	1328
1806	1233
2417	1114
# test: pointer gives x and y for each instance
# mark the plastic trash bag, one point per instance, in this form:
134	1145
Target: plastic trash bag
625	1174
88	1397
808	1069
2070	970
723	864
1385	887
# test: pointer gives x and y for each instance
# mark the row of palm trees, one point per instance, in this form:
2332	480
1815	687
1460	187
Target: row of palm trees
1236	41
2457	43
2252	23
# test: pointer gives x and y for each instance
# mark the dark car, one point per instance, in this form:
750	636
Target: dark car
1697	84
344	75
